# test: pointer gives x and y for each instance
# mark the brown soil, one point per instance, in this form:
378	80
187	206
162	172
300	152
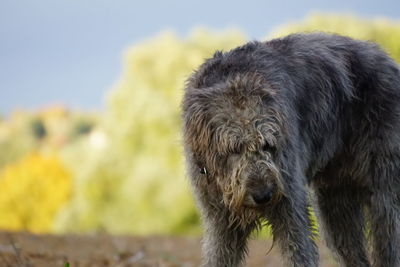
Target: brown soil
25	249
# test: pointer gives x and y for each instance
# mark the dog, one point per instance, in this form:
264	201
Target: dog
269	124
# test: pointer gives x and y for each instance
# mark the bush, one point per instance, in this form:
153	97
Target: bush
136	184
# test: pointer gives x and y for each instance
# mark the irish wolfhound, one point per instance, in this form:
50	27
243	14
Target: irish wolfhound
266	121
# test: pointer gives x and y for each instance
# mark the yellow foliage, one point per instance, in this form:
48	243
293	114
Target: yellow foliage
32	192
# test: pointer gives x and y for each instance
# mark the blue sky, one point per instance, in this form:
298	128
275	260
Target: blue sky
69	51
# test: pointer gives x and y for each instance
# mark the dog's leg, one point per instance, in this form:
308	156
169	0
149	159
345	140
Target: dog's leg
385	232
342	222
291	228
384	211
224	241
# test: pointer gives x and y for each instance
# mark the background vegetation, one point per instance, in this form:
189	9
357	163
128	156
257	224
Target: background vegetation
122	171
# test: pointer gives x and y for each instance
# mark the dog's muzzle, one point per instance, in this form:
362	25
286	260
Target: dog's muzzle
259	198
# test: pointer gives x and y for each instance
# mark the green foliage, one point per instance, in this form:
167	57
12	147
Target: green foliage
382	31
136	183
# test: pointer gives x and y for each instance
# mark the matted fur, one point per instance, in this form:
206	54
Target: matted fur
305	111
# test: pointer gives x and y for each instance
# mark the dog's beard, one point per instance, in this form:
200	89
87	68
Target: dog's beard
243	217
233	198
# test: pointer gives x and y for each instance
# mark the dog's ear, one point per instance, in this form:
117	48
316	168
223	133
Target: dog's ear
196	115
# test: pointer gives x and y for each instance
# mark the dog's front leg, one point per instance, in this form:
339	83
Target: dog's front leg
224	241
291	228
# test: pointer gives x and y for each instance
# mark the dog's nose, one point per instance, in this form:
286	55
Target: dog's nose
262	197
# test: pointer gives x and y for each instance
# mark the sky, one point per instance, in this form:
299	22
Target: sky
70	51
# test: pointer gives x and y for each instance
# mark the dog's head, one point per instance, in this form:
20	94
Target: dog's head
233	139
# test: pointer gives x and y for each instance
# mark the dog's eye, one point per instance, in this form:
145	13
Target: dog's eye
267	147
203	170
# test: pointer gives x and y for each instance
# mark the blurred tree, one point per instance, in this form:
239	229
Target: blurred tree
32	192
137	184
382	31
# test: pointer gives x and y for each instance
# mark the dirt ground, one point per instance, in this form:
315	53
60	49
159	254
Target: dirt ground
25	249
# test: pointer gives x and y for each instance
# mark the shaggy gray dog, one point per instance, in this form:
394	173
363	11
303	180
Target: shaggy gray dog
267	121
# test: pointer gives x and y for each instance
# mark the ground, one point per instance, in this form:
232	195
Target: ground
25	249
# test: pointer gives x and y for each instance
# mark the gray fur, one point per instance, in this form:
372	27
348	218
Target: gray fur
266	121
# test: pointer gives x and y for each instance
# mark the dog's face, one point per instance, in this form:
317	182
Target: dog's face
232	137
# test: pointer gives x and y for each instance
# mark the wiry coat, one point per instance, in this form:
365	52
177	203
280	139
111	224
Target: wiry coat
276	118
